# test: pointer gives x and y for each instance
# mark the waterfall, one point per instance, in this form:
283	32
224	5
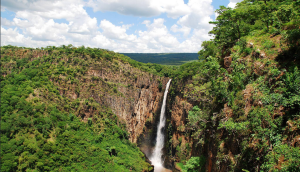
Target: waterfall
157	153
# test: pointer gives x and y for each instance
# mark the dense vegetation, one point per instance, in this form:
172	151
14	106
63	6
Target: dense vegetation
163	58
248	86
43	130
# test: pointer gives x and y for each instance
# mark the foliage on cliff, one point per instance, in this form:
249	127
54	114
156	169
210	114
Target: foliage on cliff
248	86
43	129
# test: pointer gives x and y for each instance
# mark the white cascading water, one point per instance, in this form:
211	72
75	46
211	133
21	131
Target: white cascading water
156	158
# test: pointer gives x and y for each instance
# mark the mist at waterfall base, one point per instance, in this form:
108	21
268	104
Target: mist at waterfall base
156	157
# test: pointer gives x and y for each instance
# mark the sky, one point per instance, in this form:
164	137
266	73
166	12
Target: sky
125	26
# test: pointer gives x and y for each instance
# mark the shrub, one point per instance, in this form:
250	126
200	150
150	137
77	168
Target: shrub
160	86
248	50
90	121
268	44
194	164
115	89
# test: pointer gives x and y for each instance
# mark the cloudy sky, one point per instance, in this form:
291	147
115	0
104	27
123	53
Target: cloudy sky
138	26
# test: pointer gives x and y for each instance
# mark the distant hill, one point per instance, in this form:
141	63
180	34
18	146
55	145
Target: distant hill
163	58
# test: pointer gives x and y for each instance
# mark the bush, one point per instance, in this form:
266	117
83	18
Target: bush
115	89
160	86
268	44
90	121
248	50
108	57
194	164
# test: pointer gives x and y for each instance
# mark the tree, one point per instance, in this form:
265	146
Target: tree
232	24
209	48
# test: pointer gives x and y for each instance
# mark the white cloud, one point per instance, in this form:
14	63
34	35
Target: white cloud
102	41
157	37
128	7
216	15
173	8
12	36
5	22
85	26
37	21
193	44
71	10
185	30
21	23
232	3
35	24
115	32
198	21
2	9
145	8
47	8
199	16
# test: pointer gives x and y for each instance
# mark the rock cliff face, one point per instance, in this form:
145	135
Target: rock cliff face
134	96
180	146
139	103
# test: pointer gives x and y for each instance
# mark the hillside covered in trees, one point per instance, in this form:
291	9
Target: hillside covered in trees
50	121
242	101
245	92
163	58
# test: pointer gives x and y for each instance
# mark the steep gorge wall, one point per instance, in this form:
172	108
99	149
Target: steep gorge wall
134	96
180	146
180	142
229	134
